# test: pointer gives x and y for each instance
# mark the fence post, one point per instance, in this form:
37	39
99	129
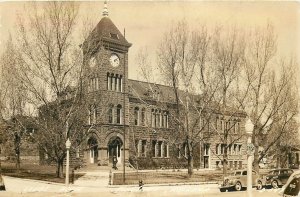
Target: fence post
109	177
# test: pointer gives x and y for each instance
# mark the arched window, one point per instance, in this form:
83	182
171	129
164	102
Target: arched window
136	115
108	81
117	83
120	84
111	114
143	117
153	118
112	79
167	119
94	114
90	114
119	114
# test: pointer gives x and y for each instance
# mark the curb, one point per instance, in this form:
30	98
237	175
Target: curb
33	180
164	184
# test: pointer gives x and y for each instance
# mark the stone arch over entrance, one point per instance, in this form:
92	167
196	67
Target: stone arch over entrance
114	149
92	146
114	142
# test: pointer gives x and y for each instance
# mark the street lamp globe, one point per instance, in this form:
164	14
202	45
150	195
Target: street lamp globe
68	144
249	127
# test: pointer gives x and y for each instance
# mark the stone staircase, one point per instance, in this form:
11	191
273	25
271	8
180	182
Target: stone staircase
97	176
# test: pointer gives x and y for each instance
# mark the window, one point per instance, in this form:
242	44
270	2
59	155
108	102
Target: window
114	36
223	146
120	84
143	117
119	114
93	84
144	148
166	116
217	149
179	150
238	127
95	114
159	149
110	114
153	148
166	150
108	81
206	149
111	85
153	118
136	116
116	83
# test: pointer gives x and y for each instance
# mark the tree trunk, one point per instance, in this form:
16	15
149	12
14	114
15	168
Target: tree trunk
190	159
59	170
225	162
190	165
256	160
18	163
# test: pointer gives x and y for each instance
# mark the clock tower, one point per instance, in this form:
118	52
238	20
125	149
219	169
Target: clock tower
105	84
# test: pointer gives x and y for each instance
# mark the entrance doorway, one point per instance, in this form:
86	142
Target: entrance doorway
115	149
93	150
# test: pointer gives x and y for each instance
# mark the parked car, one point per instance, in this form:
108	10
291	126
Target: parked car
277	178
292	186
238	181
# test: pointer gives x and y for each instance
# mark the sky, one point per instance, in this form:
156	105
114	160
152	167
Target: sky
146	21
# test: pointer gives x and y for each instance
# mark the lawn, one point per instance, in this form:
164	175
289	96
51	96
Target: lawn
167	177
34	171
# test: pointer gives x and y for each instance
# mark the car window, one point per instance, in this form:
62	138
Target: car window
238	173
293	187
290	171
244	172
276	172
283	172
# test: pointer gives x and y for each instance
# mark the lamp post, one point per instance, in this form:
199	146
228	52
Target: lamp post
249	129
68	145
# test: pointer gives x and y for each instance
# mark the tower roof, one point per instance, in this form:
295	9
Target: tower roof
106	33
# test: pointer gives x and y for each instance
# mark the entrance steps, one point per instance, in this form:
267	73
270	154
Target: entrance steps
96	176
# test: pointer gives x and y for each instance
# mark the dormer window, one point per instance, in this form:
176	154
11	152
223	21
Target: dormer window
114	36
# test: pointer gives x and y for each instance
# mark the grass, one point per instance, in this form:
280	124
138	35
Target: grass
167	177
34	171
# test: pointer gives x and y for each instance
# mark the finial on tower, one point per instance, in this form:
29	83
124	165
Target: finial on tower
105	9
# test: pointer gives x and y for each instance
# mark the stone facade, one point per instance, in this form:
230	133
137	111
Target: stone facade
138	115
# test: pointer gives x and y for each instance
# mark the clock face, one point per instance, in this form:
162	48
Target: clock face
114	60
93	62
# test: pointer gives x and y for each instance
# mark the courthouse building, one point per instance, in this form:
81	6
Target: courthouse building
137	116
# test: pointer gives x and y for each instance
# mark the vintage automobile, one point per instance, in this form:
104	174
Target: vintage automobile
292	186
238	181
277	178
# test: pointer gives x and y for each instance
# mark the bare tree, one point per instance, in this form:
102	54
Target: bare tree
272	101
227	54
50	68
13	102
180	54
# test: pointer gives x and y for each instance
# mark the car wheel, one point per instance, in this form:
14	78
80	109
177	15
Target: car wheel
259	185
238	186
274	184
222	189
